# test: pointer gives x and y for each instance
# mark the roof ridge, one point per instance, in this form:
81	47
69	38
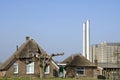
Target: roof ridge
78	60
12	57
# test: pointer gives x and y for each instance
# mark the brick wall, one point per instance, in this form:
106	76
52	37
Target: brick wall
22	70
89	72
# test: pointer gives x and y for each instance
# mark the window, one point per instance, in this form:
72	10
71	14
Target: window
30	68
47	70
80	70
15	68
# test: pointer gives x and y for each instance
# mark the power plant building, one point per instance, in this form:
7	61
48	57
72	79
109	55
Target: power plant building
108	59
105	52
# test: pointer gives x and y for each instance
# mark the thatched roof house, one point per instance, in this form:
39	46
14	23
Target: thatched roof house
23	62
77	65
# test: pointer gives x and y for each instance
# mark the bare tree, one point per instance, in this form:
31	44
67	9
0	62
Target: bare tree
44	60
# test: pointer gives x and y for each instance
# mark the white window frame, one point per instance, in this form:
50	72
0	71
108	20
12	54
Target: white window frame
30	68
15	68
47	71
82	69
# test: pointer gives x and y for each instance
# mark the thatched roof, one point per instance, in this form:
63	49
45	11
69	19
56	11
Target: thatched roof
29	46
78	60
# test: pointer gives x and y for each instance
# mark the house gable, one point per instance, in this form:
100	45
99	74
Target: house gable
24	51
23	56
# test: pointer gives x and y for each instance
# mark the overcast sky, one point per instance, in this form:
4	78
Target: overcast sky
56	25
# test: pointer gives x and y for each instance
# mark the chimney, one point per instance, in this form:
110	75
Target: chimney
84	39
27	38
17	47
88	39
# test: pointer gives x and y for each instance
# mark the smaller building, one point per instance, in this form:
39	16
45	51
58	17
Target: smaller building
79	66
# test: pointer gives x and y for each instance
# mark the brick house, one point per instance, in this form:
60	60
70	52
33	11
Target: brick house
78	66
22	63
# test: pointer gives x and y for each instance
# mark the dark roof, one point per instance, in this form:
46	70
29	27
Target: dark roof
78	60
23	51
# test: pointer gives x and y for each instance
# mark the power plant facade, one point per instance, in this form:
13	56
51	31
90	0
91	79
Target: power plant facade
108	53
86	39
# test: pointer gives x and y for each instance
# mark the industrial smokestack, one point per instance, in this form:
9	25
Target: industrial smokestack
88	39
84	39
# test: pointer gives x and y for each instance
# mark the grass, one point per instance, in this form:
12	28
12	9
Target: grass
27	78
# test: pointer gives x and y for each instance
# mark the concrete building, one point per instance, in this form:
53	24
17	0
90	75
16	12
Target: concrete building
105	52
108	58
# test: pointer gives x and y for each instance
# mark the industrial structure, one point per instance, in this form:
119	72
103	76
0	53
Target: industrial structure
108	58
86	39
105	55
106	52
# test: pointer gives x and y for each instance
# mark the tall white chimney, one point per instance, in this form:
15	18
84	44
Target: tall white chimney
84	39
88	39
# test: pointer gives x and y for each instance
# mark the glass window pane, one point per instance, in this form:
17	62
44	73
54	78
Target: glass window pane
30	68
15	68
47	69
80	70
